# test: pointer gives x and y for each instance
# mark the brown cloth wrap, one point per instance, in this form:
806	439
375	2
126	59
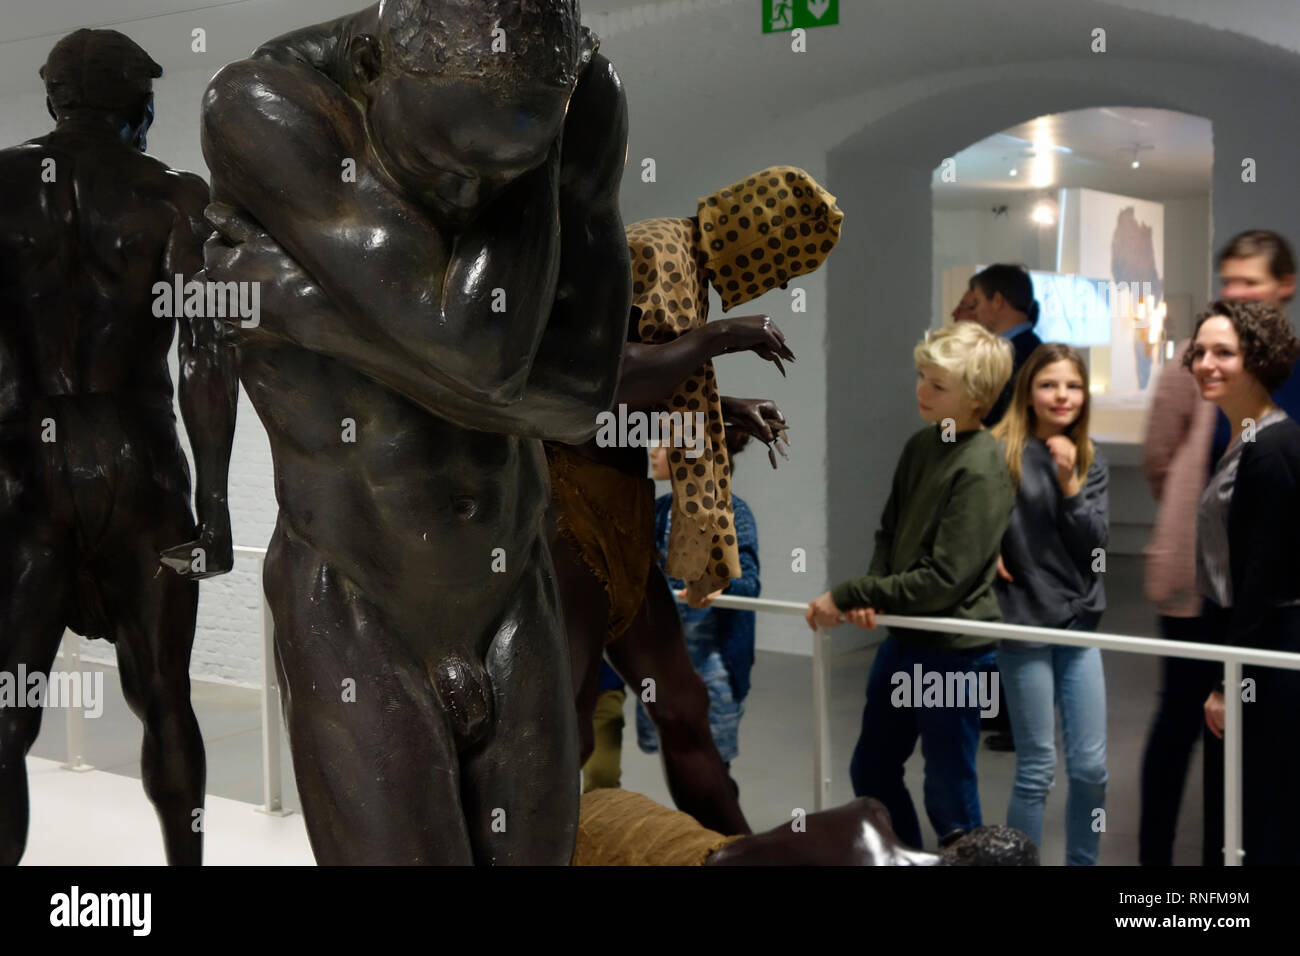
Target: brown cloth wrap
609	517
621	828
746	239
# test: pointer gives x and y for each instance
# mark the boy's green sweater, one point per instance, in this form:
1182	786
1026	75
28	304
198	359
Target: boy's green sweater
937	547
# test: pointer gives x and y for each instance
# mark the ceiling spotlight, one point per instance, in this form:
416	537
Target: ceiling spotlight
1135	151
1015	170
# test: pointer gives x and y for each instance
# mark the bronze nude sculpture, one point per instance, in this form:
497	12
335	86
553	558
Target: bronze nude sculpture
427	193
94	485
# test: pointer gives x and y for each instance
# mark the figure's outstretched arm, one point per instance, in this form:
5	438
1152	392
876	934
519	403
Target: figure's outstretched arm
209	395
652	371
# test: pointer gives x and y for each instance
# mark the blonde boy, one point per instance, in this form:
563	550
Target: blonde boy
936	554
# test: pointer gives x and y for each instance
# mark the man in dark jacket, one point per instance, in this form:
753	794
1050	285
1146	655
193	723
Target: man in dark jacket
1005	306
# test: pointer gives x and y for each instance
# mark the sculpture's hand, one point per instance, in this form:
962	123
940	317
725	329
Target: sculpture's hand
753	333
208	555
287	298
761	418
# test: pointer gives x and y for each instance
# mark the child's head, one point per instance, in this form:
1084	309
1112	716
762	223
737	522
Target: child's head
960	372
659	462
1051	397
1052	389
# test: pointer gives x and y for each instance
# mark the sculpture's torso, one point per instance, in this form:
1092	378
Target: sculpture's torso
85	390
78	261
413	509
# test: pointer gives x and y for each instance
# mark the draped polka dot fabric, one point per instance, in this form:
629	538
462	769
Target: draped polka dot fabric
766	230
672	295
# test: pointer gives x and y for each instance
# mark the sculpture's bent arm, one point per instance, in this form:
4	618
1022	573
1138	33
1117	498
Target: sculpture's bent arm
578	363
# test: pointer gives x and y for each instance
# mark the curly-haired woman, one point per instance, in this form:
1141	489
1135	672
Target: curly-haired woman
1247	570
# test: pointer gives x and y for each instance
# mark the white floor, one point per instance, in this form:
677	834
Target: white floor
104	819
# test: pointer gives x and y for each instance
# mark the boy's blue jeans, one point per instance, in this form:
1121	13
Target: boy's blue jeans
949	742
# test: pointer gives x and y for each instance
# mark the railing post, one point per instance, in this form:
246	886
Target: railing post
74	717
272	787
1233	852
821	719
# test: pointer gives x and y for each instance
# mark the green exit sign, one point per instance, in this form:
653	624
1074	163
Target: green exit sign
780	16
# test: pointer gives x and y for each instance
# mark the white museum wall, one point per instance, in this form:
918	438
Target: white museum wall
1189	258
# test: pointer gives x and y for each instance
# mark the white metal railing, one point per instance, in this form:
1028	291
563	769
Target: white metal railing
1232	659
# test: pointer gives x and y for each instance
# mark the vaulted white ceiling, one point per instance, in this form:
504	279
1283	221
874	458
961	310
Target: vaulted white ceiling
1092	148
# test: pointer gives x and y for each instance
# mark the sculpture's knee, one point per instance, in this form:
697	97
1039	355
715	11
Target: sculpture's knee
19	727
13	841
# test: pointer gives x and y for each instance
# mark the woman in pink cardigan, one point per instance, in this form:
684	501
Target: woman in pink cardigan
1178	459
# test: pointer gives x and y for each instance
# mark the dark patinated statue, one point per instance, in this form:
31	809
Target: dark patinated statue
605	502
427	193
746	239
94	486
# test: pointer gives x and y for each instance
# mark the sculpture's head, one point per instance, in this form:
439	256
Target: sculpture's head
766	230
464	96
105	76
991	846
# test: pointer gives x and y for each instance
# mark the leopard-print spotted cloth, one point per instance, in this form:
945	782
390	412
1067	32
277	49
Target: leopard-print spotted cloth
670	290
748	238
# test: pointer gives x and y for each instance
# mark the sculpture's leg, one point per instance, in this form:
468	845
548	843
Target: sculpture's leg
654	647
154	610
35	587
376	765
586	617
522	786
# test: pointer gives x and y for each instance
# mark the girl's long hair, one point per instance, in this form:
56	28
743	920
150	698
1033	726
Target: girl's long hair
1021	420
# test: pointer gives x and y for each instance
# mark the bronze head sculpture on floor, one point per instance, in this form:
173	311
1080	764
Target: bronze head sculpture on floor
623	828
426	192
94	486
